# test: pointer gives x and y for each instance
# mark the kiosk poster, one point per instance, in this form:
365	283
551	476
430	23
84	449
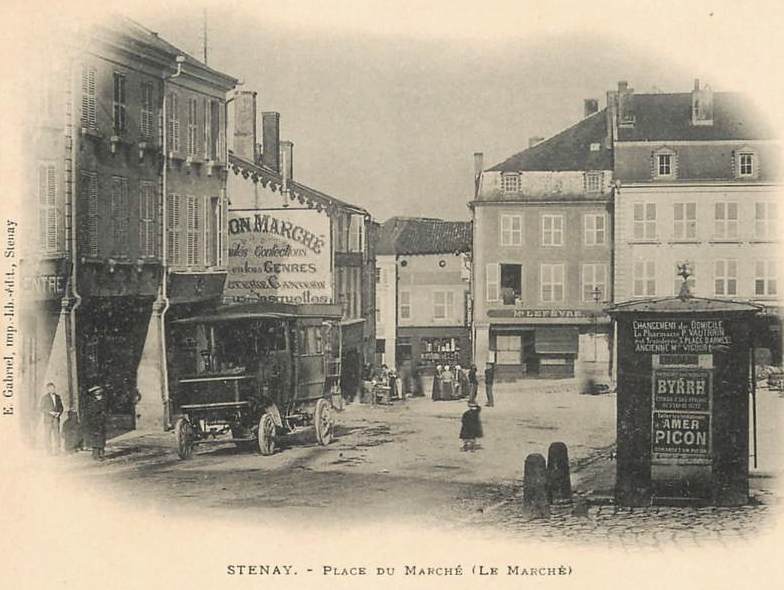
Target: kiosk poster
279	256
681	413
679	336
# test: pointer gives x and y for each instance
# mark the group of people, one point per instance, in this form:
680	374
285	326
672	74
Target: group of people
385	377
456	382
89	433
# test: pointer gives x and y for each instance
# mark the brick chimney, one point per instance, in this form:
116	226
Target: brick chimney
625	103
287	161
590	106
535	140
479	164
245	125
270	137
701	104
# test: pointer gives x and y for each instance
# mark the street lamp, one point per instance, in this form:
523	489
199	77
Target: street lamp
596	294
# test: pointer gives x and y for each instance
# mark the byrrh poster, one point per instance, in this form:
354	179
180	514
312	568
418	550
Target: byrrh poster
279	256
581	150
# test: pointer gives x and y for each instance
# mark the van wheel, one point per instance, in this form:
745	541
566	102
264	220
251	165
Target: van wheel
267	435
183	434
324	422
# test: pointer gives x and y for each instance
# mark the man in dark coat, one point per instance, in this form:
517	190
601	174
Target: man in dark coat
471	428
489	378
473	385
51	406
94	422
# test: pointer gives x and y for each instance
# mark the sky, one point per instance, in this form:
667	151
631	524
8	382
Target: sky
386	102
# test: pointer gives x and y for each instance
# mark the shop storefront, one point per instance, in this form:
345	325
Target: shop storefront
425	348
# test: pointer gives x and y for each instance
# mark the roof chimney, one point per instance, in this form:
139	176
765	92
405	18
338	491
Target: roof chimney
590	106
701	104
696	84
625	104
287	162
479	164
270	137
535	140
245	125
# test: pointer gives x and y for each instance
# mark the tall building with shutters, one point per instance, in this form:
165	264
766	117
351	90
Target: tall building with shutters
699	185
130	163
542	255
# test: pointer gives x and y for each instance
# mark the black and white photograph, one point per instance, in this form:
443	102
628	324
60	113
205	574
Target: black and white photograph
392	294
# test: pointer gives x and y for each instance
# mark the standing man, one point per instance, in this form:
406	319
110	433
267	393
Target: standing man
94	422
489	377
473	385
51	407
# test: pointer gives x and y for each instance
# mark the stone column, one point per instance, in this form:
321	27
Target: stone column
152	408
61	364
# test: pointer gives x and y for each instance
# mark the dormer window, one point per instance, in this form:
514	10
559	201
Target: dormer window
510	183
664	164
746	164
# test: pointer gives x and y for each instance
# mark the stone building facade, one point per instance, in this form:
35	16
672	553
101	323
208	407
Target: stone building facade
542	249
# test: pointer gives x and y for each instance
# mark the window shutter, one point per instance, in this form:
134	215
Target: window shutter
207	129
492	280
90	188
51	209
42	187
88	97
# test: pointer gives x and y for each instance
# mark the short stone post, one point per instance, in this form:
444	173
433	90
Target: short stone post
535	502
559	483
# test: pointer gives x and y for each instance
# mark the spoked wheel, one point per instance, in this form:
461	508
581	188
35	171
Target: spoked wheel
324	422
267	435
183	433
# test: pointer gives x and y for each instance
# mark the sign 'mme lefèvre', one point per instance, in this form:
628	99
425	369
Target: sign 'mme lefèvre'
279	255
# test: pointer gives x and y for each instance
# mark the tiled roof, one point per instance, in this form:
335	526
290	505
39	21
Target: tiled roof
569	150
298	191
661	117
422	235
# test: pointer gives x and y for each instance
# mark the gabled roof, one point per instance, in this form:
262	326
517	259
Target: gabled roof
568	150
298	191
423	235
662	117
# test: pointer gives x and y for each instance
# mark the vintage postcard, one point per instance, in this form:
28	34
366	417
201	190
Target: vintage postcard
392	294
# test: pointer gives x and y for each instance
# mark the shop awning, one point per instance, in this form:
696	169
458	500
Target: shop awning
260	311
556	340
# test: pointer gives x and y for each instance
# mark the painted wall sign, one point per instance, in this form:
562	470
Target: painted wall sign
679	336
681	413
279	255
538	313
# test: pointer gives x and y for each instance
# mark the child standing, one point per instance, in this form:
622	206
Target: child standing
471	427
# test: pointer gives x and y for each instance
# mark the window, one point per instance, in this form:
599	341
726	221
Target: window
511	230
491	282
685	216
593	180
766	220
443	305
172	124
765	278
511	283
725	274
508	349
212	229
691	281
745	164
644	221
379	273
510	183
147	115
594	282
88	189
664	164
118	103
644	279
725	220
47	207
88	98
405	305
193	230
174	230
192	145
356	233
212	130
552	230
595	229
552	282
119	215
148	211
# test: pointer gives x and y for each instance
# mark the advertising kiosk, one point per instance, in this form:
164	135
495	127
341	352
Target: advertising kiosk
684	368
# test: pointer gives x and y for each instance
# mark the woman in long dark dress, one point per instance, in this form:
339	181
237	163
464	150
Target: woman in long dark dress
95	422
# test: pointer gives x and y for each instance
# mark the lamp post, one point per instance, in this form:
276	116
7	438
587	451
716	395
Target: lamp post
596	294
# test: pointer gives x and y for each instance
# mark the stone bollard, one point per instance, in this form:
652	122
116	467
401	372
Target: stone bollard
535	502
559	483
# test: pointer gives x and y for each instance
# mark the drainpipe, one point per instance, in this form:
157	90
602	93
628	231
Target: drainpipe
164	249
70	242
